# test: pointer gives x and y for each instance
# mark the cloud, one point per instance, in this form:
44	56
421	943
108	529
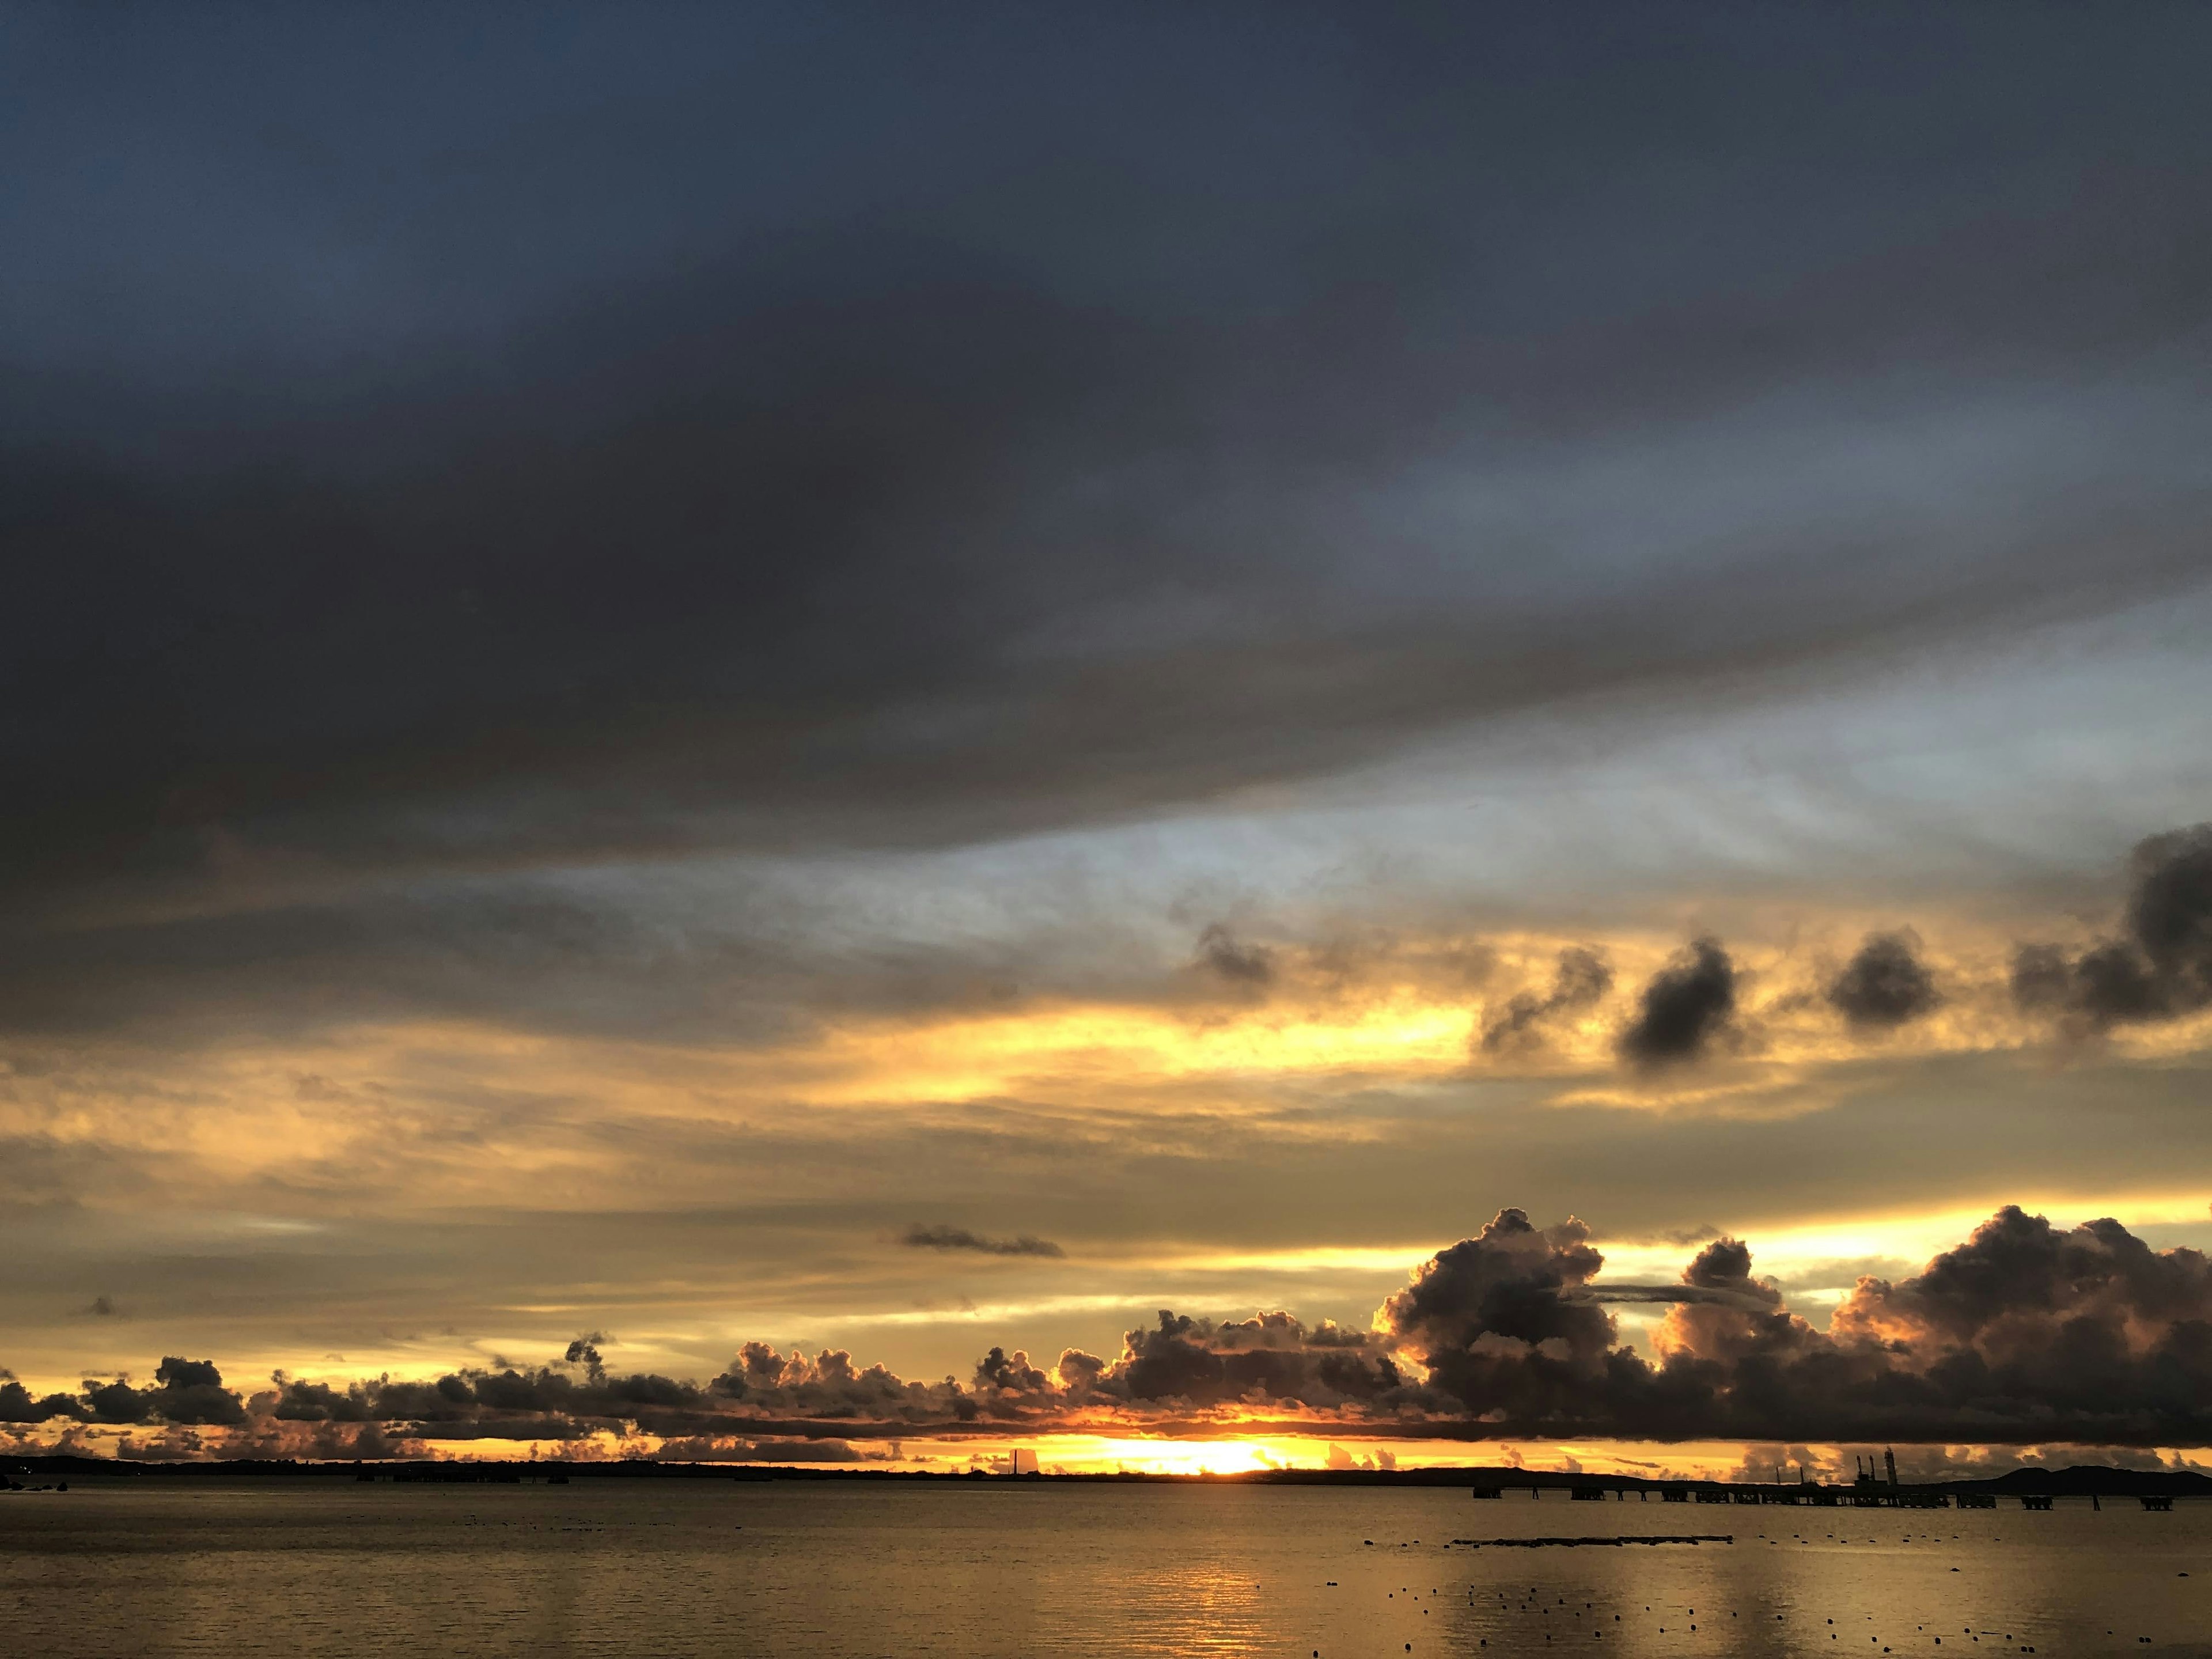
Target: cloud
1271	1356
1684	1008
525	728
959	1238
1581	981
978	518
1885	985
1494	1320
2024	1334
1013	1373
1220	953
319	1403
187	1392
2160	965
585	1351
190	1391
17	1404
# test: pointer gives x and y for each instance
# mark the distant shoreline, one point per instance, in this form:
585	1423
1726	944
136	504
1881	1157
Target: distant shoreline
2080	1480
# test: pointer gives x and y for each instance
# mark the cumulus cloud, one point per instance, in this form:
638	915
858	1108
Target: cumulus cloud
1078	1370
1495	1321
2024	1334
585	1351
1271	1356
959	1238
1885	985
2158	966
1581	981
187	1392
1010	1373
17	1404
1686	1006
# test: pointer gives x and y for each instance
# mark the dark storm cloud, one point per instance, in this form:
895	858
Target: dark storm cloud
190	1391
2160	968
1494	1318
1582	979
319	1403
959	1238
2023	1333
1013	1373
1271	1356
17	1404
1684	1007
187	1392
1885	985
998	457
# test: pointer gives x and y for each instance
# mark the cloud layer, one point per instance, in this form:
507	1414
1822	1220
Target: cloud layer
2023	1333
654	655
987	514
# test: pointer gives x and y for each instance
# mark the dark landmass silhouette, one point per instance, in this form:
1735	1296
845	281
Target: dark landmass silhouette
2077	1480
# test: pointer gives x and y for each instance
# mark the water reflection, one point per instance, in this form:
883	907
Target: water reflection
311	1567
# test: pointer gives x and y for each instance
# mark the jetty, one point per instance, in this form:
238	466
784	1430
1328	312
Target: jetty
1876	1485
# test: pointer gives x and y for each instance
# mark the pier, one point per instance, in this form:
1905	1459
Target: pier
1874	1484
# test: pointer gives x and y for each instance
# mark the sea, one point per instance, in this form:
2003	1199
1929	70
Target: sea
610	1566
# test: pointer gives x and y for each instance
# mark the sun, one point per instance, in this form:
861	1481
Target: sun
1104	1455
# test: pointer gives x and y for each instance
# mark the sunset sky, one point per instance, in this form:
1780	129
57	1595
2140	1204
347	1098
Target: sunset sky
895	680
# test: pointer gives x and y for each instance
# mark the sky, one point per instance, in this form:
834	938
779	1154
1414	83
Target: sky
902	685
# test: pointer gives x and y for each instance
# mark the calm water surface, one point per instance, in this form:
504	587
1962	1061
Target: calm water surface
725	1568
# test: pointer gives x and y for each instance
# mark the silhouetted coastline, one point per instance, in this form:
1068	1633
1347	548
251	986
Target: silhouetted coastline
2078	1480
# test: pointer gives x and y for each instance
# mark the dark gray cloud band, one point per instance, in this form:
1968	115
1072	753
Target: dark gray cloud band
1003	460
